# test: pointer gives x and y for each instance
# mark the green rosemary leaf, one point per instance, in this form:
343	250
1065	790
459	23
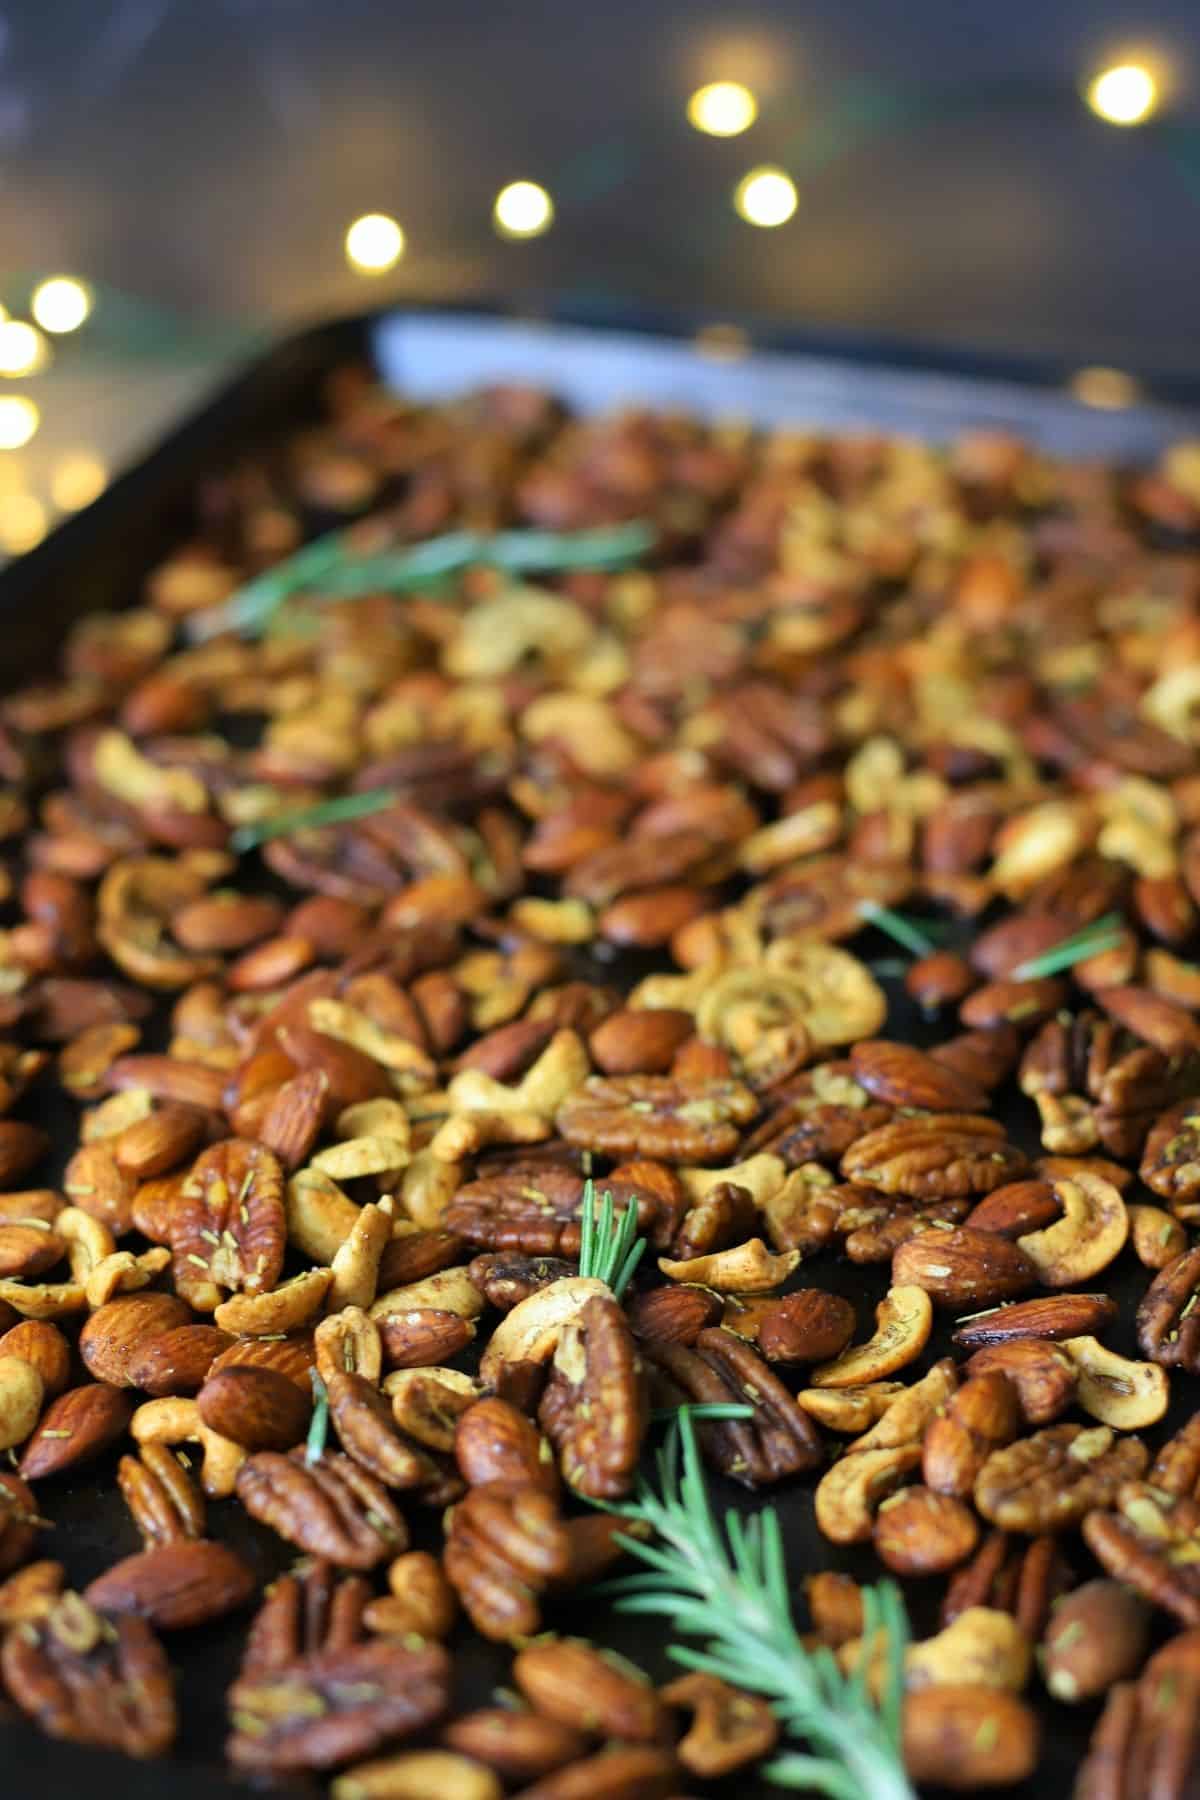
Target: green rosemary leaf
628	1267
314	1449
609	1248
895	925
308	818
1102	934
331	568
714	1409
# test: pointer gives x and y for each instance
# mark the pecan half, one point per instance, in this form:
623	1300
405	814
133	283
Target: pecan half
165	1502
1049	1481
312	1610
594	1408
329	1508
657	1116
1171	1159
228	1226
504	1544
780	1440
928	1158
1150	1540
1168	1325
93	1682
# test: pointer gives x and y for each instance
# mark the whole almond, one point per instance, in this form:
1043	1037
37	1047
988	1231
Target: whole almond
160	1142
1043	1376
293	1117
643	921
352	1076
1013	1210
963	1267
175	1585
807	1326
1170	1028
633	1042
1097	1635
919	1532
116	1332
333	926
77	1426
39	1342
569	1681
260	1409
1056	1316
495	1442
291	1356
1001	949
170	1078
521	1746
418	1254
900	1075
1020	1003
423	1338
224	922
177	1361
507	1052
270	964
673	1315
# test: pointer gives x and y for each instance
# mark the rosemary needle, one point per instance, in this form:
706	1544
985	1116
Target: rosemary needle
1102	934
609	1248
896	926
310	818
314	1449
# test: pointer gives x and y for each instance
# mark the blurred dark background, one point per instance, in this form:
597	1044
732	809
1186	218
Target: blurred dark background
957	201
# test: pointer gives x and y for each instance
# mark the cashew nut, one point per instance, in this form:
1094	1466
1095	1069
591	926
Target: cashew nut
427	1187
980	1648
337	1019
849	1411
747	1268
21	1395
348	1342
848	1495
1119	1392
374	1154
903	1322
319	1216
88	1241
124	1273
1091	1233
466	1134
762	1175
355	1268
530	1332
427	1403
287	1308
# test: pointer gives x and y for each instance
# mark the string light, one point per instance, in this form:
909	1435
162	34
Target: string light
1125	94
722	109
61	303
523	209
76	480
766	197
22	523
1107	389
19	419
23	349
374	244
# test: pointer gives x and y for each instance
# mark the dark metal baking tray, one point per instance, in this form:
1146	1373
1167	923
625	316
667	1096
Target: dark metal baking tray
98	560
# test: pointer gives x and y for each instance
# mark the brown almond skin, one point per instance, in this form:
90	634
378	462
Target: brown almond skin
1044	1377
175	1585
177	1361
38	1342
507	1052
117	1331
939	980
422	1339
805	1327
1057	1316
570	1681
259	1409
520	1746
963	1268
1020	1207
640	1041
1097	1636
968	1737
644	920
90	1418
1020	1003
900	1075
159	1143
495	1442
292	1356
1170	1028
918	1532
673	1315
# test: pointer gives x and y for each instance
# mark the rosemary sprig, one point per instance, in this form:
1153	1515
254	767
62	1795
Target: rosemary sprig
1101	934
314	1449
897	927
307	818
332	567
609	1249
729	1586
713	1410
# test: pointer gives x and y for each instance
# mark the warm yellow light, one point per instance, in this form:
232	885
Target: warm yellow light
1108	389
723	109
766	197
61	304
22	523
76	480
722	343
19	419
23	349
374	244
1124	95
523	209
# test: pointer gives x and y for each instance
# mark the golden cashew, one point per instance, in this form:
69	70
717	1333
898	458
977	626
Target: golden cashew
843	1002
111	1117
980	1648
46	1300
427	1187
1157	1238
747	1268
903	1322
530	1332
1119	1392
554	921
88	1241
849	1494
21	1396
467	1134
337	1019
355	1268
849	1411
375	1118
415	1774
287	1308
428	1403
803	833
348	1342
1091	1233
375	1154
450	1290
176	1420
319	1216
762	1175
124	1273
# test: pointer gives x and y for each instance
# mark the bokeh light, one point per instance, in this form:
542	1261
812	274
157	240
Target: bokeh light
722	109
523	209
23	349
722	343
77	479
766	197
61	303
22	523
1107	389
19	419
1125	94
374	244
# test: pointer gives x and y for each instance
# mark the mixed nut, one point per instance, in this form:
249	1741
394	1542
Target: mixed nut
590	877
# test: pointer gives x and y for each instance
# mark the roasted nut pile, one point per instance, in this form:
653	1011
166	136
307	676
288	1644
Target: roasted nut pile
625	912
